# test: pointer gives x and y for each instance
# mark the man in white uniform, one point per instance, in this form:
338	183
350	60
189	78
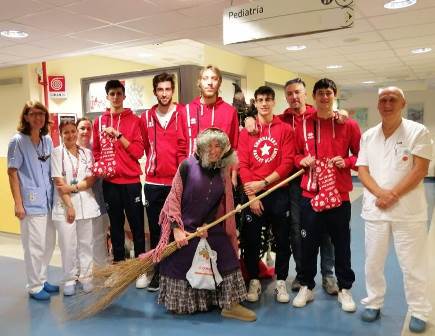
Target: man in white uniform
393	160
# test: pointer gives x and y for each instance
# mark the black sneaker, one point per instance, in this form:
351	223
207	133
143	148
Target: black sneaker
154	284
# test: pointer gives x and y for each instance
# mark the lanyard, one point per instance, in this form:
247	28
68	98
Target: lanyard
75	170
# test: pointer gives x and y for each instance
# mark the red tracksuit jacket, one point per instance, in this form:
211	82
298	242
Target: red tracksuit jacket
198	117
332	139
272	149
160	146
127	164
296	120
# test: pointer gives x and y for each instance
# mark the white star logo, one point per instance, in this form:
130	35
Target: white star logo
265	149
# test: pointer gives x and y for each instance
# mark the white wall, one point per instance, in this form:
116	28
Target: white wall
369	99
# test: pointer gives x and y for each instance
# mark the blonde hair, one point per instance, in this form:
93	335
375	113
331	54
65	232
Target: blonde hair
213	68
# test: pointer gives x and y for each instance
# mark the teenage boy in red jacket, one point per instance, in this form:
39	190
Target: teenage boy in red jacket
159	133
321	137
207	110
122	192
265	159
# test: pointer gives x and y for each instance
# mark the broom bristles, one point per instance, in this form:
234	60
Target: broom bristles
111	281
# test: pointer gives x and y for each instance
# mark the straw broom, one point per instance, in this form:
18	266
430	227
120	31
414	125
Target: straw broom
111	281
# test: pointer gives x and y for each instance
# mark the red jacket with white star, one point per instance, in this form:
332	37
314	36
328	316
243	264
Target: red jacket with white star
332	139
271	150
160	146
198	117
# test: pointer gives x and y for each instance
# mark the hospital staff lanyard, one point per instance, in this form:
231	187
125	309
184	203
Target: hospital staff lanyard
75	170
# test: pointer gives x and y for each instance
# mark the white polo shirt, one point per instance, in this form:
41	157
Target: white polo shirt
84	202
389	161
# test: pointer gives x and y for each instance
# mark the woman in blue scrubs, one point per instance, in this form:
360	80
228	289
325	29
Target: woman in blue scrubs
29	154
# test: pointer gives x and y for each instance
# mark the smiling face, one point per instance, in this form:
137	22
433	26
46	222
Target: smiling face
214	151
36	118
68	134
163	93
295	95
264	104
324	99
84	129
391	103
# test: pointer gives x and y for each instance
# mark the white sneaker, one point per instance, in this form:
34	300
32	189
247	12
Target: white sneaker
144	280
254	290
304	296
346	300
281	292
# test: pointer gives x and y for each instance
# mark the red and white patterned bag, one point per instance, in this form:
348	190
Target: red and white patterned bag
106	165
328	196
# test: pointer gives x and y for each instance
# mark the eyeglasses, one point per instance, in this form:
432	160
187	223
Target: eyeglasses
36	114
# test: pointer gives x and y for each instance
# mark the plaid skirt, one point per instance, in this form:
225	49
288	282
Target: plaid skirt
180	298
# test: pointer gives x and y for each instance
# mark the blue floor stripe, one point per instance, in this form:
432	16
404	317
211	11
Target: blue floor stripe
136	313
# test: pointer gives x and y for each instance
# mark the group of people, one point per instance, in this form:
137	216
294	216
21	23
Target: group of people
191	169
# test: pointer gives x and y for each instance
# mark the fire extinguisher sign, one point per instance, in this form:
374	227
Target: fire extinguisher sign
56	87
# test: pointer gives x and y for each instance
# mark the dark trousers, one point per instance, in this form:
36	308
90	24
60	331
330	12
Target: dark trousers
126	198
155	197
276	212
336	222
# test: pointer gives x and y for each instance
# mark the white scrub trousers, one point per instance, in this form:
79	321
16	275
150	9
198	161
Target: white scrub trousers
409	240
75	242
38	237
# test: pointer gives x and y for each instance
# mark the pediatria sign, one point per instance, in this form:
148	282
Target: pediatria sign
269	19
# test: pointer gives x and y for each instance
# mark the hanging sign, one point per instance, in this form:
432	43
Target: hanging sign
271	19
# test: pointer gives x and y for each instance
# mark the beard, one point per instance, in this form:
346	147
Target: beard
162	103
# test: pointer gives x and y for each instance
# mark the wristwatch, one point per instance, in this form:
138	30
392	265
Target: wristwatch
119	135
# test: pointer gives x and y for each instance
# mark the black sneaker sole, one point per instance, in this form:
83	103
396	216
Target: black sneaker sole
152	289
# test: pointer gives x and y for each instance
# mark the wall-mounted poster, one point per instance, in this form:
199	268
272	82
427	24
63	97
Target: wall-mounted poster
360	114
415	112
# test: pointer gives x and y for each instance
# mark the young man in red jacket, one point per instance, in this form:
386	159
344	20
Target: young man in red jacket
265	159
323	146
207	110
123	191
159	133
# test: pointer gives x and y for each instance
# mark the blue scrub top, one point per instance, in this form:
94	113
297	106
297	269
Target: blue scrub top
34	175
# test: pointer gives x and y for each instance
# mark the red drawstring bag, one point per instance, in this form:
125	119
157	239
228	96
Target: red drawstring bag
106	166
328	196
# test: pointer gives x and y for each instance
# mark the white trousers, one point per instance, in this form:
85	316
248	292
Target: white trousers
38	237
409	240
75	243
100	227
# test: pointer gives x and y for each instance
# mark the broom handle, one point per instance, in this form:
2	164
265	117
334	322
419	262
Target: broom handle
245	205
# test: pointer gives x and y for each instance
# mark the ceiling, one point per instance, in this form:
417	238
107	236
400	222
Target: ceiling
376	49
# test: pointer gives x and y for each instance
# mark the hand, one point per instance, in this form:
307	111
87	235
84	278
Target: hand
342	116
20	213
257	208
64	189
70	214
308	161
251	188
180	237
111	131
338	161
202	233
386	199
251	125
